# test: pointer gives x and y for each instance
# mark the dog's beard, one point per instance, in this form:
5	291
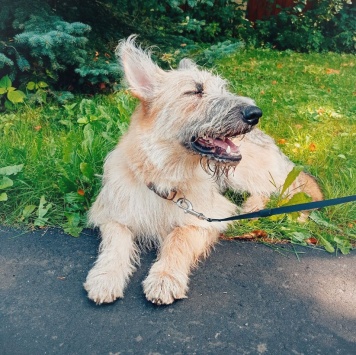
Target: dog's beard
217	169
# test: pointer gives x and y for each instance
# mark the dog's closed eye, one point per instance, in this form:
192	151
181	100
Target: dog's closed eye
199	90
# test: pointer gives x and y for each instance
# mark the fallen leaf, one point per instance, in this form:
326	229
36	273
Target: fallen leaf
312	147
351	64
279	65
256	234
274	82
37	128
312	240
282	141
332	71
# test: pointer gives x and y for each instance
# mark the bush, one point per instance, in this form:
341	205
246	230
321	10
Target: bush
70	45
37	44
328	26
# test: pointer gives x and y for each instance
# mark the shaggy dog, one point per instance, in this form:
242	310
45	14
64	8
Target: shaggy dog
189	139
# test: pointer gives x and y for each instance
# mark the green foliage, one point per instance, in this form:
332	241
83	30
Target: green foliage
283	199
175	22
36	40
37	45
62	148
42	211
327	26
70	45
5	181
100	71
218	51
13	96
38	92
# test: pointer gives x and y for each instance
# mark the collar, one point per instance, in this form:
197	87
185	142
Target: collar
167	195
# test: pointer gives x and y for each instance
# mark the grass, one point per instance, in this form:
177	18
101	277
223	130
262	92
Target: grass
308	102
62	149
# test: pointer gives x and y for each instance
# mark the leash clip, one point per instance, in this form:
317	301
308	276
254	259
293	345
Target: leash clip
187	207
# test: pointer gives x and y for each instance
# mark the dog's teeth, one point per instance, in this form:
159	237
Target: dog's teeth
228	150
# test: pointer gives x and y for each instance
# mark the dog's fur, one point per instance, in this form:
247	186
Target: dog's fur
176	107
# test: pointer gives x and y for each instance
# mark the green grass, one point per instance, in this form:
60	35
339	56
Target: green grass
309	107
62	149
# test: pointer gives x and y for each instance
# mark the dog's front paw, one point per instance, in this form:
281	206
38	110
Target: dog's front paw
162	288
104	287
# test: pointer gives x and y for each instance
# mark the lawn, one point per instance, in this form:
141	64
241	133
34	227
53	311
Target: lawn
55	152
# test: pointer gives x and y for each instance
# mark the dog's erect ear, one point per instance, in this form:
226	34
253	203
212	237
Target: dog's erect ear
141	73
186	64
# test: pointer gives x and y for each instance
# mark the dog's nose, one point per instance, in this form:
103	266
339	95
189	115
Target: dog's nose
251	114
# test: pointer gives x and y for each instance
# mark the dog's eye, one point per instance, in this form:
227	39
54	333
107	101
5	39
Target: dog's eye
195	92
199	91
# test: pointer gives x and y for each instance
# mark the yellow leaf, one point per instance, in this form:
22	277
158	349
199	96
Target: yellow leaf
312	147
332	71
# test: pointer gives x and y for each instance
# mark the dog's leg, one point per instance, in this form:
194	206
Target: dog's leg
118	255
180	251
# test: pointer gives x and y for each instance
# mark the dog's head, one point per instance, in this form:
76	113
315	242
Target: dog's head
188	108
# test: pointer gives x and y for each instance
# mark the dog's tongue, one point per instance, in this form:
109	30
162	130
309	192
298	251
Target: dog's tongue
224	144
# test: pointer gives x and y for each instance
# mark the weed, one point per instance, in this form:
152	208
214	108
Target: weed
11	95
62	149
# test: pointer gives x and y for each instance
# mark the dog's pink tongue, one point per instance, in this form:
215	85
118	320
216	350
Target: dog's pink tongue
224	144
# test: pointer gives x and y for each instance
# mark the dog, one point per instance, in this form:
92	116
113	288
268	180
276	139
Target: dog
189	139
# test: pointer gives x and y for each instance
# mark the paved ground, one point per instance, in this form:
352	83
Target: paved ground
245	299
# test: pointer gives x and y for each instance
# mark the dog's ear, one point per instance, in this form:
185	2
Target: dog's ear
141	73
186	64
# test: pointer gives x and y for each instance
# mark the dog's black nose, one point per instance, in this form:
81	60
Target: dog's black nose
251	114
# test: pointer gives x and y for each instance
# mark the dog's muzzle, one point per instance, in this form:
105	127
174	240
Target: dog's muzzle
221	147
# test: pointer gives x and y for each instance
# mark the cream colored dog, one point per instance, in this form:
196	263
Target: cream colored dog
189	137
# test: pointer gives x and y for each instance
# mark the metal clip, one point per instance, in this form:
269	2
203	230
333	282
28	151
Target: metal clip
187	207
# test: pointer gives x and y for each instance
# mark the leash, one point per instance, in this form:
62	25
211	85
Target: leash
287	209
187	206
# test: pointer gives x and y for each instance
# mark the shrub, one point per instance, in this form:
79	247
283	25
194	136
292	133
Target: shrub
37	44
328	26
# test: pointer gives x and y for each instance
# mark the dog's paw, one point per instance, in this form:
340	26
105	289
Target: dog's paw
162	288
104	287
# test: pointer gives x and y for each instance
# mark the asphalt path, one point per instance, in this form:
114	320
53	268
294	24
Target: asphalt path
246	298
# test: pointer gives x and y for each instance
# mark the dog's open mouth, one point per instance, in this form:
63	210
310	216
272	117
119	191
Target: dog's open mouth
221	149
